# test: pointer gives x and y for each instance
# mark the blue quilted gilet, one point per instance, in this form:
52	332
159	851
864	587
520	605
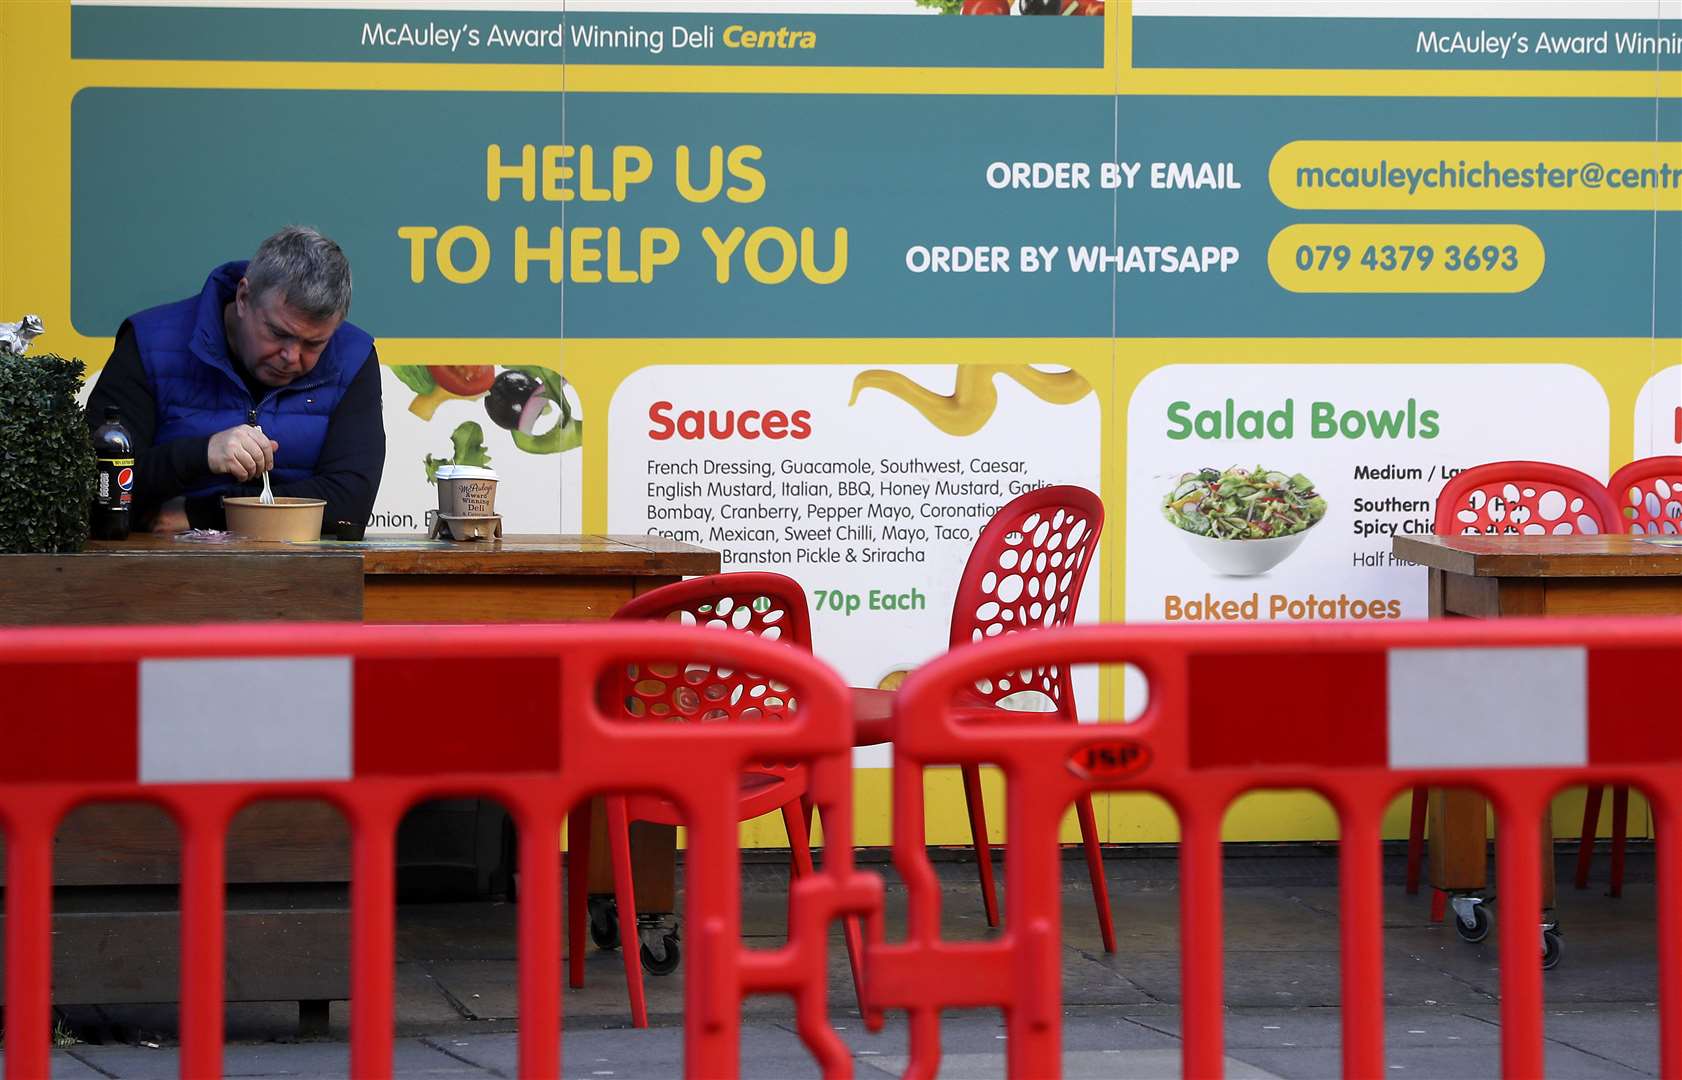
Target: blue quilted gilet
199	392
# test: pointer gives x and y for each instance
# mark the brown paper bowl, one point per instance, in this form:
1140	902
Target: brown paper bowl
288	518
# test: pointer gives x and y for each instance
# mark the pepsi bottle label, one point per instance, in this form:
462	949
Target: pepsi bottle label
116	483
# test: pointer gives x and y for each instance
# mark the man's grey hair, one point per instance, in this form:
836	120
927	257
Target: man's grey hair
310	271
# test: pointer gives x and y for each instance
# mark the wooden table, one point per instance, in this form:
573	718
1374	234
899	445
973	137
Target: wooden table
1487	577
287	928
153	579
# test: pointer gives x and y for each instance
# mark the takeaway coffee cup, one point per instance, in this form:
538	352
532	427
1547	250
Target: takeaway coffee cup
466	491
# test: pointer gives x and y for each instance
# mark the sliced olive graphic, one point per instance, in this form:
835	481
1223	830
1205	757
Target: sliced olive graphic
509	393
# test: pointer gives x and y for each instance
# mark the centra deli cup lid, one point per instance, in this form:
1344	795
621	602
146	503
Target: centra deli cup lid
465	472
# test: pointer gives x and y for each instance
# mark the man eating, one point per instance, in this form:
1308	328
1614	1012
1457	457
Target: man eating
267	337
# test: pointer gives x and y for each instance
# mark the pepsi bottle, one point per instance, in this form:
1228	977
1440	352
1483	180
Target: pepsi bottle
114	490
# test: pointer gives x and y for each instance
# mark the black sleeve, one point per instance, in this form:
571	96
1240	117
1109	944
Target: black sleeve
160	472
347	473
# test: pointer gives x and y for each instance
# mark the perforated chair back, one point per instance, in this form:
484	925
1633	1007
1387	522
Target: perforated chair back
1025	572
1648	495
769	606
1525	498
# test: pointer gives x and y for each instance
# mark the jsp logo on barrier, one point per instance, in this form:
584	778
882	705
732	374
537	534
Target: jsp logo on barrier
1110	760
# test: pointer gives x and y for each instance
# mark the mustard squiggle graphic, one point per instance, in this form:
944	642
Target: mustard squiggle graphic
974	398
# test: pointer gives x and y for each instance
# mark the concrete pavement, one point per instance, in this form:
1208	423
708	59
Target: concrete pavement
457	1007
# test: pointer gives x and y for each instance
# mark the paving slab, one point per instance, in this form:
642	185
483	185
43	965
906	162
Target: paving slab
978	1031
1265	978
767	1050
66	1066
477	930
1094	977
483	989
422	1004
1627	1034
1083	1065
1323	1028
1438	1063
410	1057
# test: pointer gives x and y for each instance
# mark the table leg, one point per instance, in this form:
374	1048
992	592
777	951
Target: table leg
1459	843
1548	875
1458	839
653	862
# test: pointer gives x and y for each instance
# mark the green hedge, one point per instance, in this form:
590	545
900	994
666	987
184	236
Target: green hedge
46	458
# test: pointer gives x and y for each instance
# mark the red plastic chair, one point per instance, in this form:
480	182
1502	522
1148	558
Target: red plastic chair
770	606
1648	497
1026	572
1527	498
1522	498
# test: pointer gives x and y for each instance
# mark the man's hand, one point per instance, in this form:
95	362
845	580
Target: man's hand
172	517
242	452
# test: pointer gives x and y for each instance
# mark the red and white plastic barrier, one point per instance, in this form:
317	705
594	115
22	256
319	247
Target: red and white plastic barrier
205	720
1359	714
374	719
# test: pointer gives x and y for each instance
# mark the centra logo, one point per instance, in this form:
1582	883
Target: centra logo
1110	760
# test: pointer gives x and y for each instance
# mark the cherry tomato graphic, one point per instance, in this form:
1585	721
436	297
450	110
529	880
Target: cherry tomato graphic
464	381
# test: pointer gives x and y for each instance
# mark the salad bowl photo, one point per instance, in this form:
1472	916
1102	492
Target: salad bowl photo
1243	522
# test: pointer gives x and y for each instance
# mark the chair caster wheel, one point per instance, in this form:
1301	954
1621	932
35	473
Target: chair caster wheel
664	957
1552	947
1464	908
604	922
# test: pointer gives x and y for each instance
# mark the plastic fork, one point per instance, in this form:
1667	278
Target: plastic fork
268	493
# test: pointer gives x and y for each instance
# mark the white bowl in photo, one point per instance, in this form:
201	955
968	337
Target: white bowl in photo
1242	558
